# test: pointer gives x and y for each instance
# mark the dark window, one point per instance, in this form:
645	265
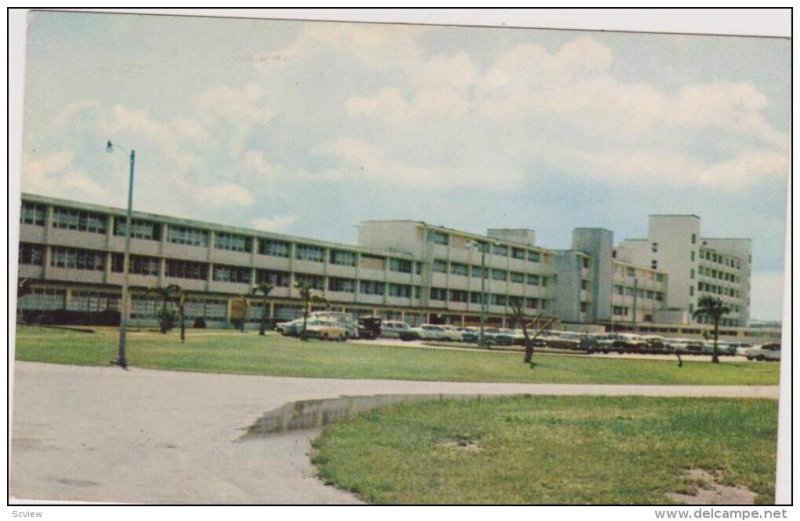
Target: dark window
310	253
32	254
186	235
139	264
501	250
399	290
187	270
77	259
32	213
371	287
438	294
500	275
231	274
314	281
345	285
343	258
232	242
276	278
139	229
439	266
458	295
400	265
457	268
273	248
83	221
439	237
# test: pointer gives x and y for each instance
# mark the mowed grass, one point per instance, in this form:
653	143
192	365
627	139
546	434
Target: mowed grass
248	353
550	450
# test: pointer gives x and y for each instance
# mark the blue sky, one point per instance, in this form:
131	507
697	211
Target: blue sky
309	128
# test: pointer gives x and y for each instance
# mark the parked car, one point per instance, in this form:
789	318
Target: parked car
503	337
676	345
290	328
631	343
325	330
606	343
723	348
468	334
369	328
425	332
764	352
452	333
345	320
564	340
695	347
394	328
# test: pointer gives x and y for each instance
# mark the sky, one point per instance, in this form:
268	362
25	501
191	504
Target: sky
309	128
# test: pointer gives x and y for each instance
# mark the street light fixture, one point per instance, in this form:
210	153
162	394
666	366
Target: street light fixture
123	319
483	246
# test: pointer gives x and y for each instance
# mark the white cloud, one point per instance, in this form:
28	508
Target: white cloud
72	110
567	110
275	223
54	174
220	195
361	160
255	163
378	45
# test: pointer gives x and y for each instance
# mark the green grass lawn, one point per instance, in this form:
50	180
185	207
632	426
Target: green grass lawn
550	450
248	353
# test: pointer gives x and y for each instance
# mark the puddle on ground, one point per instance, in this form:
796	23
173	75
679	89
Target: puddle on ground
314	414
712	493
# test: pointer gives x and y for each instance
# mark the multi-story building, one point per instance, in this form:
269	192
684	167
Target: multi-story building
72	254
696	266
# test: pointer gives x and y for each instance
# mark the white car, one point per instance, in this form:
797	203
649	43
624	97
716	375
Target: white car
394	328
425	332
452	334
764	352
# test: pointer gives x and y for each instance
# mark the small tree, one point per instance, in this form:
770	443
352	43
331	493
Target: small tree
23	288
714	309
538	324
166	317
264	288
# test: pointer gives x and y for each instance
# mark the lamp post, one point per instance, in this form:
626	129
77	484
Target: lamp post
483	246
123	319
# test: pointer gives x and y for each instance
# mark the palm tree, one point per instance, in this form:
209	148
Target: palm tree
713	308
166	293
264	288
308	294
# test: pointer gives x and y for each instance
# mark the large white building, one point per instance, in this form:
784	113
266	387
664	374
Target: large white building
696	266
408	270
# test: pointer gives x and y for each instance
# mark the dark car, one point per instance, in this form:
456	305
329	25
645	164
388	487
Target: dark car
369	327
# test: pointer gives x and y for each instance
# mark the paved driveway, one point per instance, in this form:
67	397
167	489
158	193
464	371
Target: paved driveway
100	434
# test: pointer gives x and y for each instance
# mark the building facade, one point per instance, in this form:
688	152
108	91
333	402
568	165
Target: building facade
72	255
696	265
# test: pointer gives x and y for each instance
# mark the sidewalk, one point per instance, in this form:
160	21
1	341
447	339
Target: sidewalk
100	434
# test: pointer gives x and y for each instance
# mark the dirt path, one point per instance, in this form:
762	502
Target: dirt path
100	434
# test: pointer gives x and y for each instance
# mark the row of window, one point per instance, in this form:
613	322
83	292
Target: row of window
630	272
442	238
718	290
457	268
638	292
719	274
712	256
75	258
